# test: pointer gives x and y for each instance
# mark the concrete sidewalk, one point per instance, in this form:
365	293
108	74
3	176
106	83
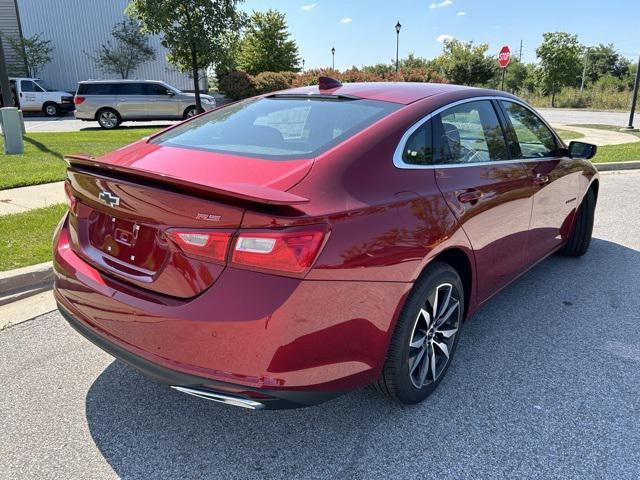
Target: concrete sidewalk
599	137
23	199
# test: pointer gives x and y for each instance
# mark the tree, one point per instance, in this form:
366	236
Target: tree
560	63
192	30
515	76
33	51
129	50
464	63
267	46
605	60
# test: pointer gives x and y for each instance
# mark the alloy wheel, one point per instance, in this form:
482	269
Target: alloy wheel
191	112
51	110
108	119
433	335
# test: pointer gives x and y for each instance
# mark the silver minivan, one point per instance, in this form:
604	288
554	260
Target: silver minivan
111	102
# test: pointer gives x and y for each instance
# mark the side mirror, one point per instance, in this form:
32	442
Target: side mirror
171	93
582	150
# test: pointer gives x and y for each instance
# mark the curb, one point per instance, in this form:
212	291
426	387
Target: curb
23	282
609	166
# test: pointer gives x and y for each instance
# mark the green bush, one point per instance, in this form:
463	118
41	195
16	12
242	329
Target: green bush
267	82
237	85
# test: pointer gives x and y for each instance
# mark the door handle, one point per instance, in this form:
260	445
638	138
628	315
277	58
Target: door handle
540	179
470	196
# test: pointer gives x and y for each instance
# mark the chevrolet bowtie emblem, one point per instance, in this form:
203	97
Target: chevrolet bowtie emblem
109	199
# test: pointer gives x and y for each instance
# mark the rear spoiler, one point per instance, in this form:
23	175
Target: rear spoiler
241	191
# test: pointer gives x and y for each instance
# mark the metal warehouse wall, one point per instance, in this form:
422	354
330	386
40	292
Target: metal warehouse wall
78	26
9	28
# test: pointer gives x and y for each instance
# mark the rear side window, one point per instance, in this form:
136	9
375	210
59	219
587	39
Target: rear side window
419	147
95	89
470	133
277	128
128	88
534	138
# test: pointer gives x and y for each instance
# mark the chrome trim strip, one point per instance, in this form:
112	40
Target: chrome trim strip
398	162
218	397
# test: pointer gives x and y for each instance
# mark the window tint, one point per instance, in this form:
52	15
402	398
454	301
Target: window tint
95	89
154	89
277	128
419	147
470	133
128	88
534	138
29	86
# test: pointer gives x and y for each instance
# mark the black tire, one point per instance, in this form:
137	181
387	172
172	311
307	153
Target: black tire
398	381
51	109
108	118
580	237
190	111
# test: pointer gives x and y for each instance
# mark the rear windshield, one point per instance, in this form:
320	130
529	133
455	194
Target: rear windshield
277	128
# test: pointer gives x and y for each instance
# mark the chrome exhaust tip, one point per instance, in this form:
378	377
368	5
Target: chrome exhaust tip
218	397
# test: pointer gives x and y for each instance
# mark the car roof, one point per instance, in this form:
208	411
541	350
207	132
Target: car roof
120	81
396	92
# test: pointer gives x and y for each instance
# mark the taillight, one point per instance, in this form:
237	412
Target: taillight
292	250
72	201
204	244
78	100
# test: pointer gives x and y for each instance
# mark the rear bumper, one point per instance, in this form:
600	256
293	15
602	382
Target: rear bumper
285	342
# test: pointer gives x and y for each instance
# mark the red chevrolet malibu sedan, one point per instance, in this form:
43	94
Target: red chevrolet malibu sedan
283	250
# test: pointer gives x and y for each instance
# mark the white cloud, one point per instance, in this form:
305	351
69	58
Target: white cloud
346	20
461	14
311	6
444	38
443	3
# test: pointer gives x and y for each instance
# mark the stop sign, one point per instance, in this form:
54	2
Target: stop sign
504	56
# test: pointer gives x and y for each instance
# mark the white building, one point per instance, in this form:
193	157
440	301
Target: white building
75	27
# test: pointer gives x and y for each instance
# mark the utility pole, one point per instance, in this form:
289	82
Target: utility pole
584	69
333	58
520	56
634	99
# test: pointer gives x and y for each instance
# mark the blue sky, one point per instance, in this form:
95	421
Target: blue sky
362	31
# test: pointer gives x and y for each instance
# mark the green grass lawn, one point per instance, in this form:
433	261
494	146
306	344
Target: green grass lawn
42	160
567	135
624	152
25	238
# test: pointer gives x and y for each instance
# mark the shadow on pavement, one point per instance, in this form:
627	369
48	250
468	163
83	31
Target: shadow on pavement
543	385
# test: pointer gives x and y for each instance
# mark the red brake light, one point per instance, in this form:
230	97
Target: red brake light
292	251
72	201
207	245
78	100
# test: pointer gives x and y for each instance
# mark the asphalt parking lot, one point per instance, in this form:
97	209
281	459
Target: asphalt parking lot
545	384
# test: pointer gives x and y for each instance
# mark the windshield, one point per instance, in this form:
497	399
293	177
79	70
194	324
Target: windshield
171	87
277	128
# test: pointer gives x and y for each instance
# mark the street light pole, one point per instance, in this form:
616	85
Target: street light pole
584	69
303	65
398	27
634	98
333	58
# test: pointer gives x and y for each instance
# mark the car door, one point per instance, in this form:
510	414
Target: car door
131	101
30	96
488	192
553	177
161	101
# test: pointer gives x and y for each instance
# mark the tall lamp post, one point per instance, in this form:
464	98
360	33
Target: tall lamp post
634	99
398	27
303	65
333	58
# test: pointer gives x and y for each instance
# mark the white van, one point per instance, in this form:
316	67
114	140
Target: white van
33	95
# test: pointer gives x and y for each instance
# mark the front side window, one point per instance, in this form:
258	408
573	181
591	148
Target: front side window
534	138
29	86
470	133
277	128
154	89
